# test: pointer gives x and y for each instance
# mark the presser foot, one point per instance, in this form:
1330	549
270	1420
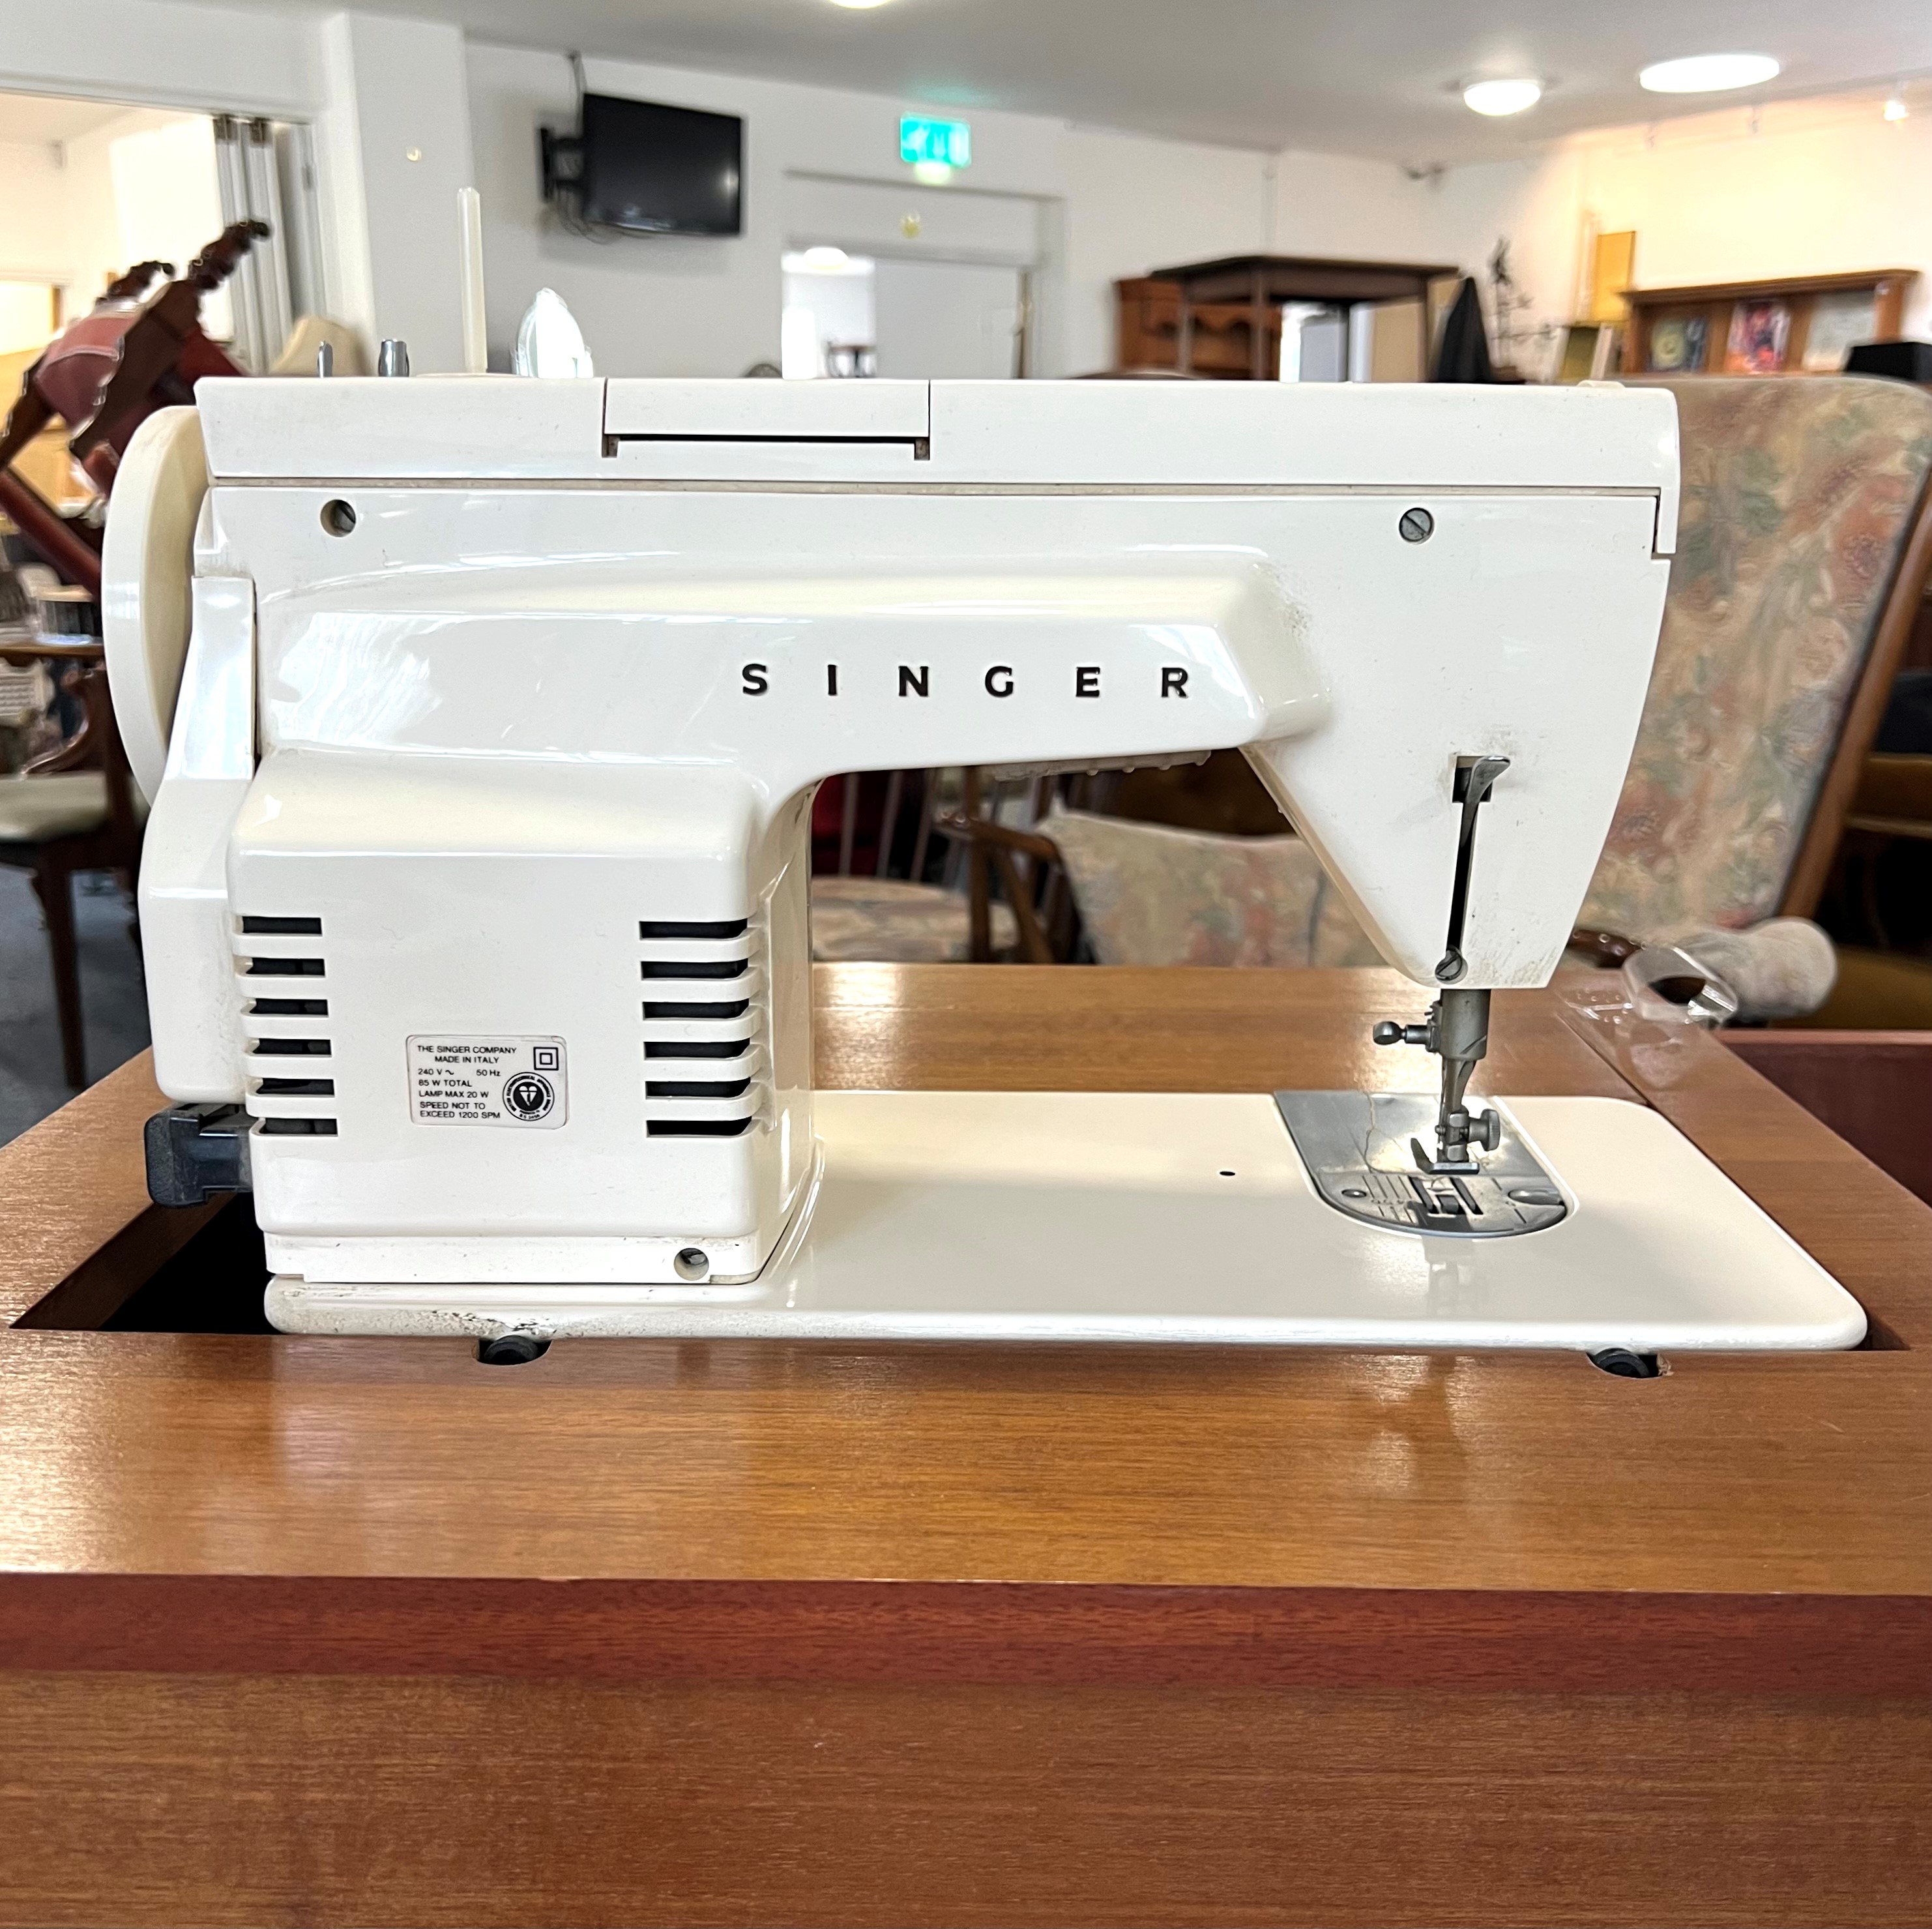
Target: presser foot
1457	1031
1426	1162
1458	1135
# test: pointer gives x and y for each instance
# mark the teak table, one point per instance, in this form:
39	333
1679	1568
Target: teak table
302	1631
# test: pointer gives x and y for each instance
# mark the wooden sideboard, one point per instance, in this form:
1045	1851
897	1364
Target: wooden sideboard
1222	318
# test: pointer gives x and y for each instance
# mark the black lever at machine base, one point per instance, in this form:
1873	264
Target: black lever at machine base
193	1152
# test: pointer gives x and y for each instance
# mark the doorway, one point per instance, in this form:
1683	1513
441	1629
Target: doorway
927	283
957	320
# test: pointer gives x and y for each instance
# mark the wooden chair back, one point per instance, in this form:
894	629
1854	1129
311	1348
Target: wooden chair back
1904	598
965	828
97	746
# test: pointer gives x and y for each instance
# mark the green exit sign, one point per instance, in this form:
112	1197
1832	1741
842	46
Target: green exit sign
923	138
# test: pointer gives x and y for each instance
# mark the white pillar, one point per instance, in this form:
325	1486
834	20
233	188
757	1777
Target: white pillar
395	146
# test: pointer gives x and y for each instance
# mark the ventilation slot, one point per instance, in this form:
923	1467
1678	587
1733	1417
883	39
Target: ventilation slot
291	1083
721	1047
703	1009
734	927
697	968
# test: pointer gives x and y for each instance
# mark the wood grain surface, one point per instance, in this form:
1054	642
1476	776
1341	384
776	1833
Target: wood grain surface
935	1028
300	1629
413	1804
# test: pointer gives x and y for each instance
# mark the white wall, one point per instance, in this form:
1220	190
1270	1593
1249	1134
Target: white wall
1104	204
1341	205
394	141
33	212
142	188
374	87
1110	204
254	60
1818	189
1133	205
1821	186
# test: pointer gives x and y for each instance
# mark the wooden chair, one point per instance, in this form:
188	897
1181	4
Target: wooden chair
1014	871
876	836
74	809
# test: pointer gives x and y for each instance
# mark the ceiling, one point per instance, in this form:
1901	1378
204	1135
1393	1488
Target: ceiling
36	120
1363	77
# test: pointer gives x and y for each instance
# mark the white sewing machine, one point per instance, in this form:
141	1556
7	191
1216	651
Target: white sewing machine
477	878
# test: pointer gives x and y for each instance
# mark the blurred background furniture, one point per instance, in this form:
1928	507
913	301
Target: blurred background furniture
1803	551
74	809
1711	307
889	884
1224	318
1156	894
102	377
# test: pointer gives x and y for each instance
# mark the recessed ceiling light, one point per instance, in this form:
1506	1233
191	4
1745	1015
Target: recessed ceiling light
1708	73
858	3
1501	97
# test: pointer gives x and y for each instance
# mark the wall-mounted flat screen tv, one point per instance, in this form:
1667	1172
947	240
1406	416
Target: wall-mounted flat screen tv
659	170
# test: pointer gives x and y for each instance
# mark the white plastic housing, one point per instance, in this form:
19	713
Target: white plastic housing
542	675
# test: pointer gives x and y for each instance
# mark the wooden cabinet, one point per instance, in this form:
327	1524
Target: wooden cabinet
1222	318
1149	335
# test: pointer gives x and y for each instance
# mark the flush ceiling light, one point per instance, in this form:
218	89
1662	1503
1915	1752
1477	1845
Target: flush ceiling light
1708	73
858	3
1501	97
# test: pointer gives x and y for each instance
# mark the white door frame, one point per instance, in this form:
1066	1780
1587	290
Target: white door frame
1041	270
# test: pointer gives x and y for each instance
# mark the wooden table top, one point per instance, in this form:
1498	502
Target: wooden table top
175	1501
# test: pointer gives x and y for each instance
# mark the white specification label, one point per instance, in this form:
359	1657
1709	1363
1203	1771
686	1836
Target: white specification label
488	1082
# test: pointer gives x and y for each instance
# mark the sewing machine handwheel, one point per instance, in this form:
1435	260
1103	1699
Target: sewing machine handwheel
1623	1363
147	573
